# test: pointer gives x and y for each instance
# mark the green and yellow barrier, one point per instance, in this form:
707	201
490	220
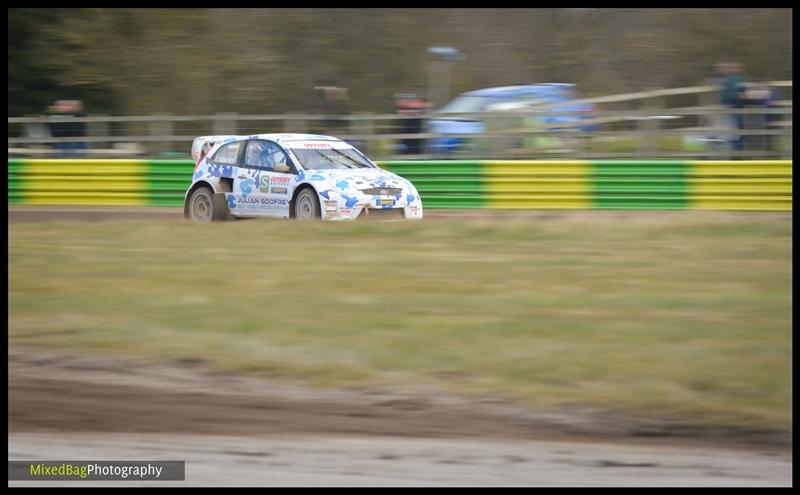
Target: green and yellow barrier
496	184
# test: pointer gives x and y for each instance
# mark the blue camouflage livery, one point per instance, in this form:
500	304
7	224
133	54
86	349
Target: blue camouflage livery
343	182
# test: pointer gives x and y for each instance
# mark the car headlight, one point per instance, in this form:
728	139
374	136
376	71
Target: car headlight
331	206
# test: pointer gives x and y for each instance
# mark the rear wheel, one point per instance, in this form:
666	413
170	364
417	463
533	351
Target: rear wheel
201	206
306	205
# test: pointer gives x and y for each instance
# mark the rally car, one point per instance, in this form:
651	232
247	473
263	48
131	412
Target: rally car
300	176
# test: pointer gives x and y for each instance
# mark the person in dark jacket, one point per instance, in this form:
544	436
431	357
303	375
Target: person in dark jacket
59	111
732	96
412	108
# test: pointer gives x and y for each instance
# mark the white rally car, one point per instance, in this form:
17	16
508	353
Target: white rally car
299	176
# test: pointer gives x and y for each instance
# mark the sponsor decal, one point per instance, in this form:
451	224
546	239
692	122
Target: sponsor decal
279	190
231	201
263	201
264	187
345	212
253	203
339	145
281	180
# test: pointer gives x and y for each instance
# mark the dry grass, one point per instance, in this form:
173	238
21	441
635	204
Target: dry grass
684	314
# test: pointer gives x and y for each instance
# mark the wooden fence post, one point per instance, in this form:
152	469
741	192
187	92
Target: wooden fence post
159	129
96	130
224	123
649	125
294	123
364	126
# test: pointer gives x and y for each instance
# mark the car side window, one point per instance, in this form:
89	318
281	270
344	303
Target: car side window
227	154
264	155
531	100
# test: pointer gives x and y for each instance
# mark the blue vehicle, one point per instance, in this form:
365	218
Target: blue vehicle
504	98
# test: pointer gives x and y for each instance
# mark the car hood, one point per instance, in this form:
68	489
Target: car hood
355	180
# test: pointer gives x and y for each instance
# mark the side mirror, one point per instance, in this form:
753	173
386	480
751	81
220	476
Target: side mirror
282	168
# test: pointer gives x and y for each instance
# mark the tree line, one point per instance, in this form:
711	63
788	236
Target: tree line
199	61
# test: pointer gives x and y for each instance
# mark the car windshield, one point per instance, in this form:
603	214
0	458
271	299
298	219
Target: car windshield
330	158
466	104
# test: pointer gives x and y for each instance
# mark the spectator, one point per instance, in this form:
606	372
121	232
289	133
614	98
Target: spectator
732	97
411	105
334	104
62	109
760	96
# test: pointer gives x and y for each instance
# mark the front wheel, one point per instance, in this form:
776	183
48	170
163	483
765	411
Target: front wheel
201	206
306	206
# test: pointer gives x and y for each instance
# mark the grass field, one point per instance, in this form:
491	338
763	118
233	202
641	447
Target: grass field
684	314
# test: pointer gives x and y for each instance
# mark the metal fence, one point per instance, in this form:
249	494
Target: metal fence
666	123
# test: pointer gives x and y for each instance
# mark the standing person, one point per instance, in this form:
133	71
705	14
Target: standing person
760	96
334	105
62	109
411	105
733	89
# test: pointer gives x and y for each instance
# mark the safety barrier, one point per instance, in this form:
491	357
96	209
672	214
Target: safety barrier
98	182
601	184
496	184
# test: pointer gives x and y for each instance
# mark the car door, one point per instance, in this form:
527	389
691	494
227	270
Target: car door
221	170
265	179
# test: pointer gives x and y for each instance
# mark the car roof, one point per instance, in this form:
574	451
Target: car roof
519	90
286	137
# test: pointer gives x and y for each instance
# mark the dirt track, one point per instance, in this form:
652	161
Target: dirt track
106	213
252	431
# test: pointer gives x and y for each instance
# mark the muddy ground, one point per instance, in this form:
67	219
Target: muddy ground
245	430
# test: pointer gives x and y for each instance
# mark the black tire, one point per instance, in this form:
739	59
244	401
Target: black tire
201	207
306	205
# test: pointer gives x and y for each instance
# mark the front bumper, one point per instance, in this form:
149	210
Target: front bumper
377	207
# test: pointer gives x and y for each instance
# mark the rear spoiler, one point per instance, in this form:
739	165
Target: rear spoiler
203	144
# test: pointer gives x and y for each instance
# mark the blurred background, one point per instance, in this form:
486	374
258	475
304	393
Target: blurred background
628	82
